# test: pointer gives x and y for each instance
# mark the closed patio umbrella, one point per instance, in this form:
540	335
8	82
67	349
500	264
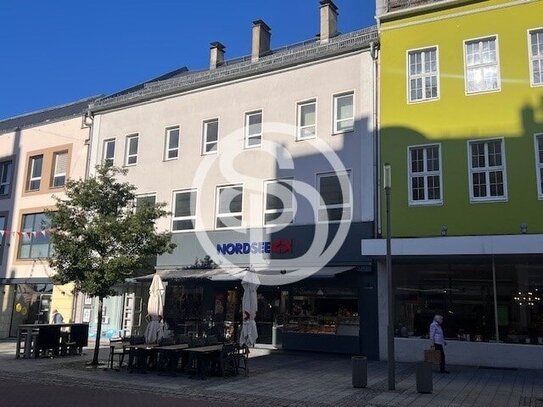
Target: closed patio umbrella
249	304
155	309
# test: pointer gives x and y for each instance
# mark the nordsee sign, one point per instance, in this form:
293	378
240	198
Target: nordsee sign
280	246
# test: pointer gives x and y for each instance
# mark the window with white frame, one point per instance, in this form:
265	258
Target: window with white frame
211	136
307	120
184	210
536	56
424	175
539	163
482	70
487	170
131	150
335	197
60	167
108	152
229	207
253	129
278	209
172	143
6	168
34	172
343	112
423	74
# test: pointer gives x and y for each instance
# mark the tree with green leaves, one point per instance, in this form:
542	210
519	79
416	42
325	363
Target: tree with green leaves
100	238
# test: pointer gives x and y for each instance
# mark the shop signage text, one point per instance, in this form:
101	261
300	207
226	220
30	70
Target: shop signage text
280	246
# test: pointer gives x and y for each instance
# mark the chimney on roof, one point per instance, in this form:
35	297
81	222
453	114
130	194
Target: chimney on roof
328	20
261	40
216	55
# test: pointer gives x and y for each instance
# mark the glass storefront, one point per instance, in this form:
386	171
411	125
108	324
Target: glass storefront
464	294
323	310
31	306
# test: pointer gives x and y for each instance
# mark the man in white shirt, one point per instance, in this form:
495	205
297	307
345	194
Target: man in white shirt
438	340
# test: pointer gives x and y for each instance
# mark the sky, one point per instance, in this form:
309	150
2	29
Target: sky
58	51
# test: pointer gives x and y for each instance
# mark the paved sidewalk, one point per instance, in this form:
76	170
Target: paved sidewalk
293	379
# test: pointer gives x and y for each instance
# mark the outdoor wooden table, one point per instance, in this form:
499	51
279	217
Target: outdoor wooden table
50	337
200	355
140	353
169	356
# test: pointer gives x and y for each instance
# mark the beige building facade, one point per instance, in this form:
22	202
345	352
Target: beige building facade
38	152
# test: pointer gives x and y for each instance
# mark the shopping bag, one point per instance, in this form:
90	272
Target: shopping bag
432	355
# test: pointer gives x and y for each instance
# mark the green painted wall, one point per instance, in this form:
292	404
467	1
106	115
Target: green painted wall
514	113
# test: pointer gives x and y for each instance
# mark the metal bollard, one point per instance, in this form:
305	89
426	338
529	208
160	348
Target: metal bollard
360	371
424	377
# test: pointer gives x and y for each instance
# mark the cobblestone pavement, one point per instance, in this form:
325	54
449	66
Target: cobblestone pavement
292	379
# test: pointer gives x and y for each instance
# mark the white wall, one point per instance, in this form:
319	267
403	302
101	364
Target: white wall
276	94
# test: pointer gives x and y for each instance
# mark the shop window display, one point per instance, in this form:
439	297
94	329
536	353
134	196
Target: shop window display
464	294
323	311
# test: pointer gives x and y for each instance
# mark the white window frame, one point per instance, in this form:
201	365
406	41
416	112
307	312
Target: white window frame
127	155
423	75
167	148
482	65
261	134
299	127
181	218
320	205
487	170
335	121
61	174
532	58
7	183
104	150
424	174
538	138
228	214
205	142
273	211
31	176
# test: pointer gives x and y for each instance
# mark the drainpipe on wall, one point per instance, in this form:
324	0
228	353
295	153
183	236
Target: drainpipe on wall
374	52
88	121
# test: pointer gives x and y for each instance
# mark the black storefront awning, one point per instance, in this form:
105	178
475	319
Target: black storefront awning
237	273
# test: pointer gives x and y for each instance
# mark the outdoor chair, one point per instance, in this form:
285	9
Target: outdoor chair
77	339
197	342
227	360
117	347
212	340
179	339
242	358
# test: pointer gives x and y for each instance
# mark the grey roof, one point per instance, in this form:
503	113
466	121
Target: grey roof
241	67
394	5
50	114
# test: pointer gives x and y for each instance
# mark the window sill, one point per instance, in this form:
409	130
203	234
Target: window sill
488	200
338	133
166	160
416	102
305	138
415	204
483	92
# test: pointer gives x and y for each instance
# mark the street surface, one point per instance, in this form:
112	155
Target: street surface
15	393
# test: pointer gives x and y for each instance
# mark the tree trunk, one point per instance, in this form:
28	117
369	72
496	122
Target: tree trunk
98	332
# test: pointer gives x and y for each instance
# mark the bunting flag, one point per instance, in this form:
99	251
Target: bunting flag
26	234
